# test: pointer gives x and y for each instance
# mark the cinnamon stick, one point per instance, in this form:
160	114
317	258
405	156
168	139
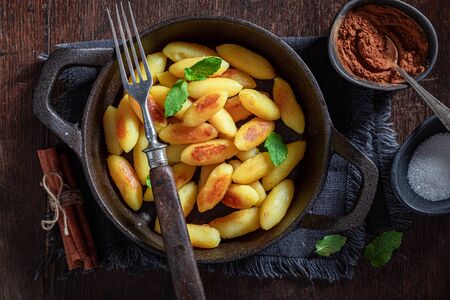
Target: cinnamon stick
49	161
87	241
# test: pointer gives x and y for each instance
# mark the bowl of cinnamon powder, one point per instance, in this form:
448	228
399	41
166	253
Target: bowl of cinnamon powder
357	43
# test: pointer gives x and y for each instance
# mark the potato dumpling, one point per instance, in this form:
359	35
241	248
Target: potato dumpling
179	134
199	88
237	223
180	114
109	127
159	94
127	126
140	160
253	133
236	110
235	163
264	93
204	108
177	68
204	174
174	153
224	136
241	77
167	79
291	112
215	187
224	123
177	51
296	150
253	169
174	120
156	63
259	104
276	204
188	197
126	180
148	195
182	173
244	155
208	153
240	196
246	60
156	112
203	236
258	187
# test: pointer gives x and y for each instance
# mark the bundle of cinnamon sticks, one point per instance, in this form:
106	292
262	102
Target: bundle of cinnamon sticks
78	242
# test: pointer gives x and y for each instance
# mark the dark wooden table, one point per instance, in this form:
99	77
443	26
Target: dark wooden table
418	270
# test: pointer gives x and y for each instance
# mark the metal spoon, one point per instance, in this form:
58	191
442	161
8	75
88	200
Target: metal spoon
439	109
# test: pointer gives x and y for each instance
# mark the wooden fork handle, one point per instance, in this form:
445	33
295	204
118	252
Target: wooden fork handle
180	255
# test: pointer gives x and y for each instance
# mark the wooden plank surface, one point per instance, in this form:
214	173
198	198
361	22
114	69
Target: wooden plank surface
418	270
22	37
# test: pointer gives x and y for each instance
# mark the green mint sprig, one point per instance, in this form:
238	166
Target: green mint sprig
176	97
380	250
202	69
277	149
330	244
179	93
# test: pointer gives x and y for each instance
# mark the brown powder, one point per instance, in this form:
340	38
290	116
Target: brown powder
361	43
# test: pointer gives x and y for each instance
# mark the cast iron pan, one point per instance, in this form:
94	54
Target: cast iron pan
87	140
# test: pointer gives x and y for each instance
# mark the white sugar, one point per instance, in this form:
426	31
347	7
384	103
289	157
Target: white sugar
429	168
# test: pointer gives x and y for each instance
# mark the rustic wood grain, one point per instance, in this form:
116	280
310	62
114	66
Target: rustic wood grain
418	270
22	37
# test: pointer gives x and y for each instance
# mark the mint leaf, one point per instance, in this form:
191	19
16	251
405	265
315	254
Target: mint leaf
148	182
277	149
379	251
176	98
330	244
203	69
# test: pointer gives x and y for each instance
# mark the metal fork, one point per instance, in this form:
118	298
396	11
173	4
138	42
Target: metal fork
183	267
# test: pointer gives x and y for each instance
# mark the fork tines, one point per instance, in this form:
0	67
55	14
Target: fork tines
123	19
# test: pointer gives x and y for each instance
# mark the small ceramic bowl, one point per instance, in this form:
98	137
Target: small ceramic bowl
415	14
399	173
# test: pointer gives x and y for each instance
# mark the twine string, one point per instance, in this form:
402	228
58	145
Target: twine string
63	197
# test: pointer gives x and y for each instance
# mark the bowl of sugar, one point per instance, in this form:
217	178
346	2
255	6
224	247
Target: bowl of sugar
420	175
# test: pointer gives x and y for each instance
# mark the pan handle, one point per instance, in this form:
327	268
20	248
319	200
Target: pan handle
68	132
369	172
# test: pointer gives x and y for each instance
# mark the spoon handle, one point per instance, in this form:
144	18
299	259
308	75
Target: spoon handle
439	109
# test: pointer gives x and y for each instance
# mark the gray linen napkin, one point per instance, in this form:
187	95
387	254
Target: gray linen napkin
362	115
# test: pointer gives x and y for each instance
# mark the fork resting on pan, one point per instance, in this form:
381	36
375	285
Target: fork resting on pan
180	255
